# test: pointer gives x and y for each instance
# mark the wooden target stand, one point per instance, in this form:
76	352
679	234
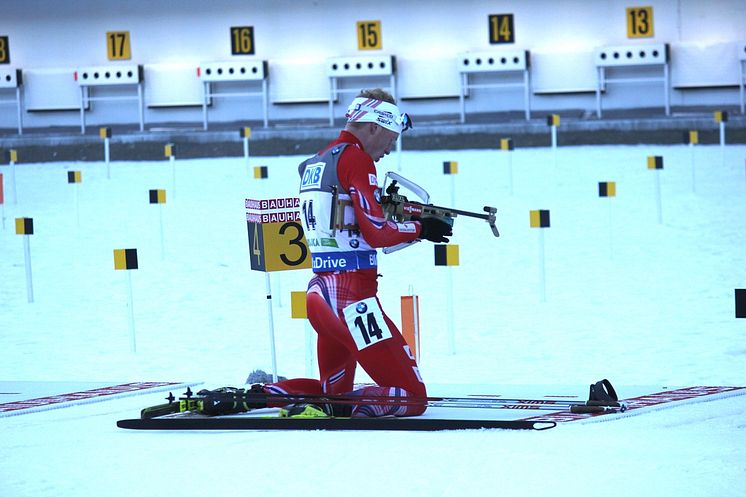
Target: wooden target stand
102	77
492	70
233	74
620	59
11	82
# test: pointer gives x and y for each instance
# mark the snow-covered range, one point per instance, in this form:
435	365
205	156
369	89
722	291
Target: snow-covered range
627	297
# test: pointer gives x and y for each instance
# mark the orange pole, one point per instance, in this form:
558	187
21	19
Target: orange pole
410	316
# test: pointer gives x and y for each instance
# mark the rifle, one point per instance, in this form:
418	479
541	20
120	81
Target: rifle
398	208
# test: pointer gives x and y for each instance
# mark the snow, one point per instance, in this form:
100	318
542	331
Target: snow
627	298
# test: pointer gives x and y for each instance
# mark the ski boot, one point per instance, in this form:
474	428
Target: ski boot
305	410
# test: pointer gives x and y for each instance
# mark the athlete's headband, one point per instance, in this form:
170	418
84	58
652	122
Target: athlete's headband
385	114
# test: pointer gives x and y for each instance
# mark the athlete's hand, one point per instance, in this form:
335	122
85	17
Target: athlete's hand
434	229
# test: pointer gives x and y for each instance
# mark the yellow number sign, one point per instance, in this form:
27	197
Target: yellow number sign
118	45
276	239
501	28
4	50
640	22
278	246
369	35
242	40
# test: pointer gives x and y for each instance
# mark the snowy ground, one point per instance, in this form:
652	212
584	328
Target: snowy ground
627	298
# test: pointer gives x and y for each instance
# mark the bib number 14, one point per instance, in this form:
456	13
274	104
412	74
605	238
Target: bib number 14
366	324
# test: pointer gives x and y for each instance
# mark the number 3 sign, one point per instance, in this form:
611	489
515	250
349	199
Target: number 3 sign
276	239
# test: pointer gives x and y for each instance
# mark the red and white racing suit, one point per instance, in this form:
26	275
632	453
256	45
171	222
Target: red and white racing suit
341	300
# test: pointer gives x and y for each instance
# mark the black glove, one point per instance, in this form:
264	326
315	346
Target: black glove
434	229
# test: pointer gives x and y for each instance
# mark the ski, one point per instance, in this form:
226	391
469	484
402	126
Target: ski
187	413
432	401
192	402
179	407
329	424
535	404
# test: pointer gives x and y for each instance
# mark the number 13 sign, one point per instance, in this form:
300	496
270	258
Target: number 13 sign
640	22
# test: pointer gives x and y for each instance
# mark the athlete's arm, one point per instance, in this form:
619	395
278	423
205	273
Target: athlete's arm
357	175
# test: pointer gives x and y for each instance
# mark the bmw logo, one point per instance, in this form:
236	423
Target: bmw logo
361	308
377	195
354	243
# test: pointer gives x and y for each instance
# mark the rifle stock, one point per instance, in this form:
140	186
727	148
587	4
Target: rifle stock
398	208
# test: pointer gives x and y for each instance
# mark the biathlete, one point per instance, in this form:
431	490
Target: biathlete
344	224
